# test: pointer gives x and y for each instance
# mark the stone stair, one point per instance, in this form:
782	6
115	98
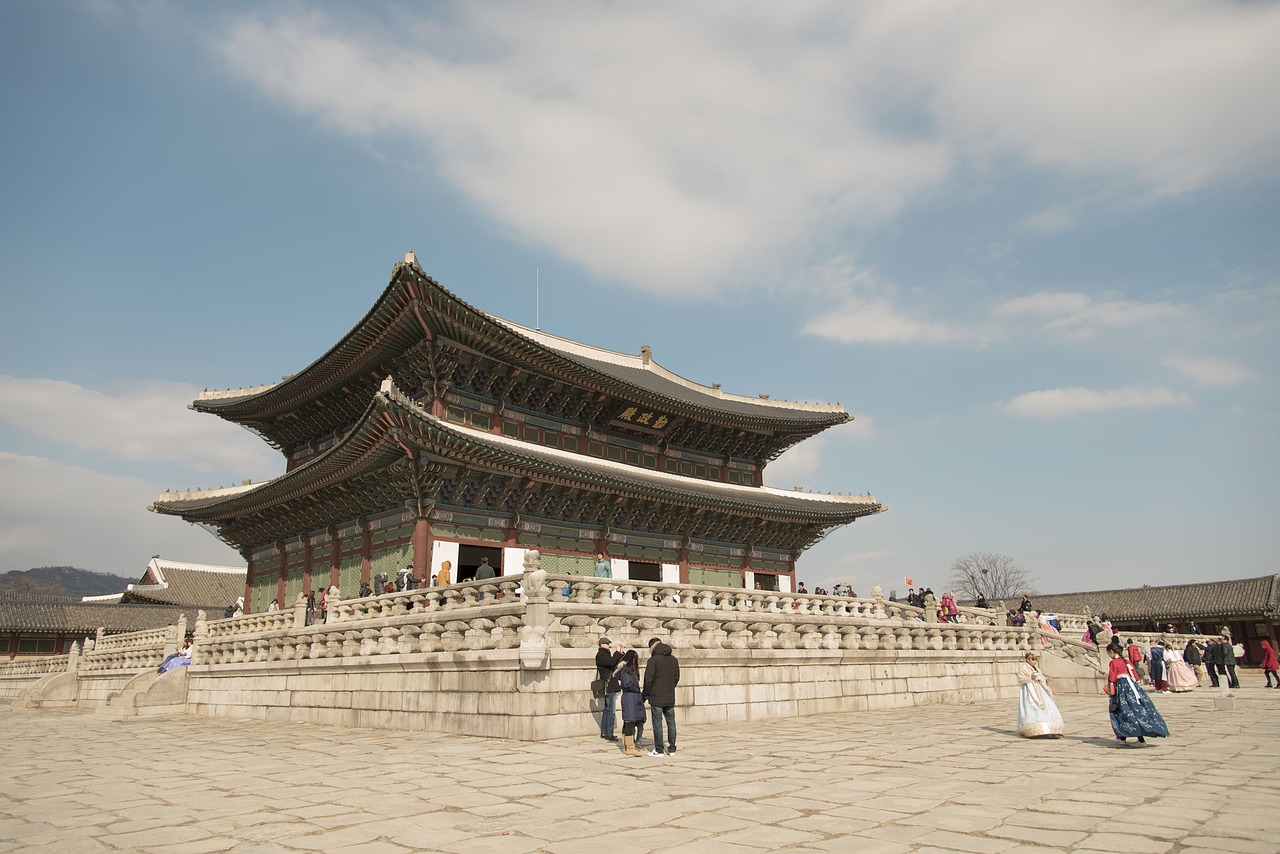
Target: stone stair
149	694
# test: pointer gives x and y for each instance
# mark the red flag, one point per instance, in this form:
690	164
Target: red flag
910	583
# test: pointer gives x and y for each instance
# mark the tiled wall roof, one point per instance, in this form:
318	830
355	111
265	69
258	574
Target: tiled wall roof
61	616
1236	599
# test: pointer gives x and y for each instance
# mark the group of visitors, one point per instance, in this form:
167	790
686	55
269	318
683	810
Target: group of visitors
1131	711
619	670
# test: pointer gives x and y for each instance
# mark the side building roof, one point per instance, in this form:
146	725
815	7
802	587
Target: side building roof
61	614
1239	598
190	585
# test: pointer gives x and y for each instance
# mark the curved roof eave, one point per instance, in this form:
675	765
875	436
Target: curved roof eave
549	463
640	380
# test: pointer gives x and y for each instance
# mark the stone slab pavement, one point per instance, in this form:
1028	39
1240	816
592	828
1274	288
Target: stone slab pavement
941	778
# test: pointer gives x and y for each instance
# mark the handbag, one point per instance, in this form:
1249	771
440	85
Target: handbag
597	688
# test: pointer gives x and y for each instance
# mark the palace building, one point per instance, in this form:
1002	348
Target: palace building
434	431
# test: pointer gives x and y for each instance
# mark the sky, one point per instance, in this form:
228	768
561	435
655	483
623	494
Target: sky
1034	249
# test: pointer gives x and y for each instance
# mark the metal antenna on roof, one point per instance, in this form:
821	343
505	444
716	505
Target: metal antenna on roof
537	300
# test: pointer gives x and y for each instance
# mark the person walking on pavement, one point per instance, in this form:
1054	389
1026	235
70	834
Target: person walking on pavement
661	676
606	661
1270	664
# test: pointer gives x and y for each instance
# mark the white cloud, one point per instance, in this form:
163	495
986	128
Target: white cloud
1078	315
1051	220
1210	371
1063	402
875	321
53	514
148	422
681	148
799	463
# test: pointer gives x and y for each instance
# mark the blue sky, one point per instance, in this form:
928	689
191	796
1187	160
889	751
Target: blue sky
1033	248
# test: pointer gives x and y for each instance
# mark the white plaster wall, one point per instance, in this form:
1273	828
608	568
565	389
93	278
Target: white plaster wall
784	584
620	568
513	560
671	573
445	550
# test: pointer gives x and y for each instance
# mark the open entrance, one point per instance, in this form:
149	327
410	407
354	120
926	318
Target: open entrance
765	581
470	558
638	571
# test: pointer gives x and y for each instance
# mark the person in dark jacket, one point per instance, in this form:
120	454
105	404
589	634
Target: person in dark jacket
628	674
661	676
1191	655
1212	660
606	661
1228	660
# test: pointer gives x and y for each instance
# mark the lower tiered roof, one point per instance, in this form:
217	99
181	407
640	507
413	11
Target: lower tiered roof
399	454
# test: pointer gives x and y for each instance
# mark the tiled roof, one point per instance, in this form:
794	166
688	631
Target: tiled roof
191	585
55	614
836	509
1240	598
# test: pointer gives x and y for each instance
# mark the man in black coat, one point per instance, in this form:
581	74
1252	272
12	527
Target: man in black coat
606	661
661	676
1228	659
1212	660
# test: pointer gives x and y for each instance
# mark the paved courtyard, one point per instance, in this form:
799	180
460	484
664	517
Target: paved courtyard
932	779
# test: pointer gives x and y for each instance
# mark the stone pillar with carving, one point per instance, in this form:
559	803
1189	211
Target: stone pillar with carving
534	652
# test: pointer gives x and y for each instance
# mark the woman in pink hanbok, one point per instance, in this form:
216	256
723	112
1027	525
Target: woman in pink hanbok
1181	677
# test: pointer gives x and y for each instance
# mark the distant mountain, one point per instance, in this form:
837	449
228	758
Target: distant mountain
62	581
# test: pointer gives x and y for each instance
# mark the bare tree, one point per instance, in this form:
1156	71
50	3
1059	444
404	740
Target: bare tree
990	575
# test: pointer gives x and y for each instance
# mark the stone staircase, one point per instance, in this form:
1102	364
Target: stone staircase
149	694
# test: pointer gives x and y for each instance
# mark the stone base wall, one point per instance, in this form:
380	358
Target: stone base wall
488	694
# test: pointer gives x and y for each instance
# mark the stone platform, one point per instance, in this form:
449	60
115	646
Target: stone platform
927	779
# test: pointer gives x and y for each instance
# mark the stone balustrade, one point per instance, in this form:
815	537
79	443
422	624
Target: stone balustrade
699	617
34	666
132	650
467	616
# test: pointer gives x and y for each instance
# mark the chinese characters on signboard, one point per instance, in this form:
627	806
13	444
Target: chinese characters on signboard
643	417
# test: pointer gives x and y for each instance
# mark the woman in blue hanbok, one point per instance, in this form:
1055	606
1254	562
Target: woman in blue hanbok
1133	715
1038	715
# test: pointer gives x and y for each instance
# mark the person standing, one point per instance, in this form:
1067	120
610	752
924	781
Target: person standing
1038	715
1229	661
1212	660
484	570
1193	657
1133	715
628	673
1270	664
661	676
443	577
606	662
1158	679
603	567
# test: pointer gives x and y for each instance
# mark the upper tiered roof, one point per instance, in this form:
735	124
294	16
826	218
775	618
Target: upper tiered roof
415	321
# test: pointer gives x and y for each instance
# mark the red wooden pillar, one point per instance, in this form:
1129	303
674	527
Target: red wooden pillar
248	582
284	569
366	557
335	557
306	567
422	549
682	557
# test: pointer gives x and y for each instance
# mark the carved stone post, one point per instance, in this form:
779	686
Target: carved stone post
300	611
534	652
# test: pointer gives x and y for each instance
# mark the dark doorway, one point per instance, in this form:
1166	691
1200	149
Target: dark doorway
766	582
644	571
469	558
